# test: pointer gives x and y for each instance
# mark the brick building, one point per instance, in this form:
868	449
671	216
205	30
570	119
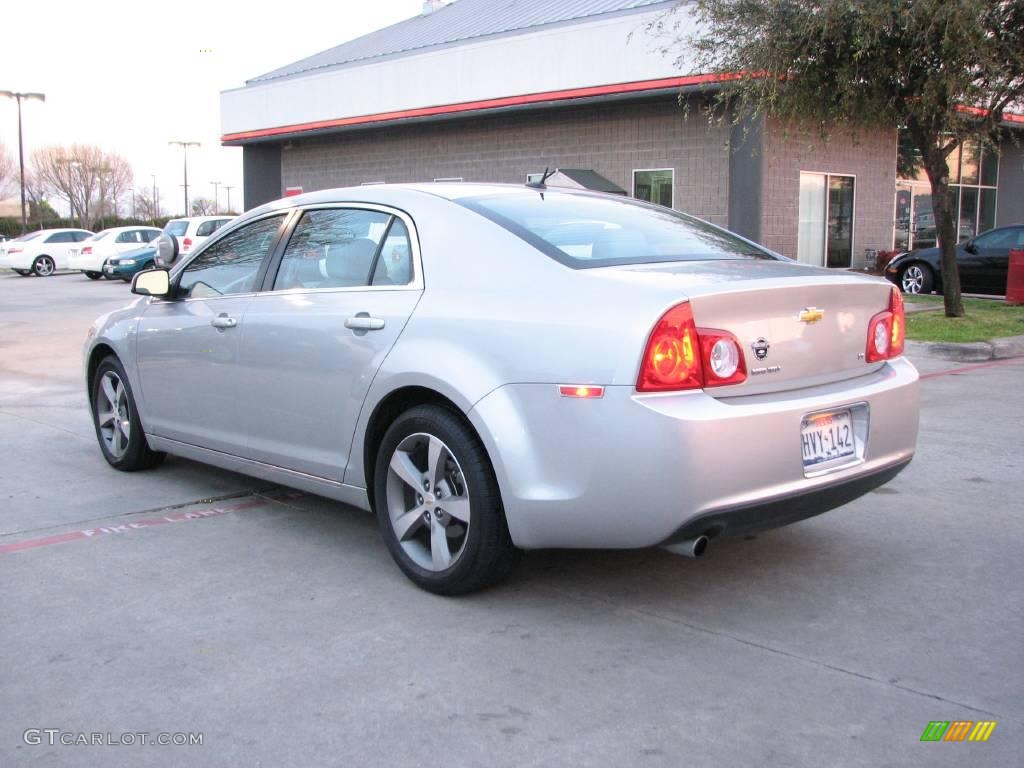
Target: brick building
498	90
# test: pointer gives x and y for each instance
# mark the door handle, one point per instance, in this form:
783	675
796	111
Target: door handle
222	321
363	322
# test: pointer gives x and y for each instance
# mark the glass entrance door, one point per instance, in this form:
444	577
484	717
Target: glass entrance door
825	235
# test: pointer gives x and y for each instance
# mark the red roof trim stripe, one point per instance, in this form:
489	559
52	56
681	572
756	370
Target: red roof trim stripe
472	106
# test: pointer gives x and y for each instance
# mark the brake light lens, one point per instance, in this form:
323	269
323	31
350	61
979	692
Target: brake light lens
15	250
681	356
87	250
887	331
186	243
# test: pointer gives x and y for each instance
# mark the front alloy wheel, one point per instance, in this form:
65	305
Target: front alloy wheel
116	419
915	279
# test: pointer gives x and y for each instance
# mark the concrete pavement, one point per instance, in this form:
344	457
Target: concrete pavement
188	599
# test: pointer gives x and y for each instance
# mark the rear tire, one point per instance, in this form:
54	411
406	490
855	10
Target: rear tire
456	541
94	275
917	278
44	266
116	420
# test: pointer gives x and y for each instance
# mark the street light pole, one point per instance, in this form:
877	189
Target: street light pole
216	198
184	150
19	97
228	187
156	201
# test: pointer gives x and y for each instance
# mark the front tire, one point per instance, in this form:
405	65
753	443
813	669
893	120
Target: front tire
116	419
917	278
44	266
94	275
438	504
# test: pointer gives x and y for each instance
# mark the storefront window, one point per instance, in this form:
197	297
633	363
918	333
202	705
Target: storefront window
654	186
973	173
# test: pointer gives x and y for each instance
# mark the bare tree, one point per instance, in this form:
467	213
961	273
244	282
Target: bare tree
8	172
72	173
118	180
202	206
145	206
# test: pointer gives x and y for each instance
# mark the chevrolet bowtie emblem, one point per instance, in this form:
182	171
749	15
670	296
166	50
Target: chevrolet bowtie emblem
811	315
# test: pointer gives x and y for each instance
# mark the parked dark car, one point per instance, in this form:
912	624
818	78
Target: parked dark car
127	264
983	261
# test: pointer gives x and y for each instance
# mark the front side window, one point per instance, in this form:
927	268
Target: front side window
582	230
131	236
654	186
231	265
332	248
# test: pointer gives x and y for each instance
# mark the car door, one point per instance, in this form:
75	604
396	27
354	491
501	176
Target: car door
187	346
334	305
57	247
990	253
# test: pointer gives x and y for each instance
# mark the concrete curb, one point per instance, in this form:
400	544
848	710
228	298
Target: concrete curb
971	352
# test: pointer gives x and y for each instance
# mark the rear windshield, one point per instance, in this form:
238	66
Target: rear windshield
26	238
589	231
176	228
100	235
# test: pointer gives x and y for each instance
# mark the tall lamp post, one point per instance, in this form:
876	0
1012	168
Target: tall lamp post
228	187
184	150
156	201
19	97
216	198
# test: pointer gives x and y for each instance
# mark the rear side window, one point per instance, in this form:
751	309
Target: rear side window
60	237
590	231
207	228
332	248
82	236
176	228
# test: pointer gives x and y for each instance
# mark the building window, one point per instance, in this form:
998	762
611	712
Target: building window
825	236
654	185
449	178
973	175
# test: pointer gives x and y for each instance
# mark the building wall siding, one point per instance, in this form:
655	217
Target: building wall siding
612	139
869	155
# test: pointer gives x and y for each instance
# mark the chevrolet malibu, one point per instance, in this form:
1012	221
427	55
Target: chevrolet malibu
496	368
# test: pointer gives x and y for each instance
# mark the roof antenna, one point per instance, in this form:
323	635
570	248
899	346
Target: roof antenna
539	184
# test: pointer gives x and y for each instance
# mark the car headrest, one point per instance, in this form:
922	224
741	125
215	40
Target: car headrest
349	262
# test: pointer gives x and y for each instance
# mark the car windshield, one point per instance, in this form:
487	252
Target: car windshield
176	228
596	231
100	235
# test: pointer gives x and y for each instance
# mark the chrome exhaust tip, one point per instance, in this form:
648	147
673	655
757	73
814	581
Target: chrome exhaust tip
690	548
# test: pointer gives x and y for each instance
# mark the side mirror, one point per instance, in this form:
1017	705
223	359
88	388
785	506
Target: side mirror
971	247
166	249
152	282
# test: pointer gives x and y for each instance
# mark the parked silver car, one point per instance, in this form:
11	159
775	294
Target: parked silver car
494	368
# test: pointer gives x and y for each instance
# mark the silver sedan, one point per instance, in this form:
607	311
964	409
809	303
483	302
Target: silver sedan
495	368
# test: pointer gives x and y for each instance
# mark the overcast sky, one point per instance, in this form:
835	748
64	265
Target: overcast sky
131	76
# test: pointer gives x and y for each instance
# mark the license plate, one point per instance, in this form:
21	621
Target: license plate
826	437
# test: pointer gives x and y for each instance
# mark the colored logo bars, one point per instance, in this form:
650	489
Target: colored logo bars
958	730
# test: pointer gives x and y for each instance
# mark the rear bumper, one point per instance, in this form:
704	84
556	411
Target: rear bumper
763	515
635	470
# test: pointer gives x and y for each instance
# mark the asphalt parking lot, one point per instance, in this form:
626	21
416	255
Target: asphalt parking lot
190	600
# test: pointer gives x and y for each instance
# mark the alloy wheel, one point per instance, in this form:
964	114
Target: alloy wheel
913	279
113	415
428	502
44	266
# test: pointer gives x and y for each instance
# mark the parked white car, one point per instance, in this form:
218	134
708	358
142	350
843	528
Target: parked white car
190	232
42	252
108	244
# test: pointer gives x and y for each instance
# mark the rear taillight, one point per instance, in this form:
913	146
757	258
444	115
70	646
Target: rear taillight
87	250
15	250
186	243
887	331
681	356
